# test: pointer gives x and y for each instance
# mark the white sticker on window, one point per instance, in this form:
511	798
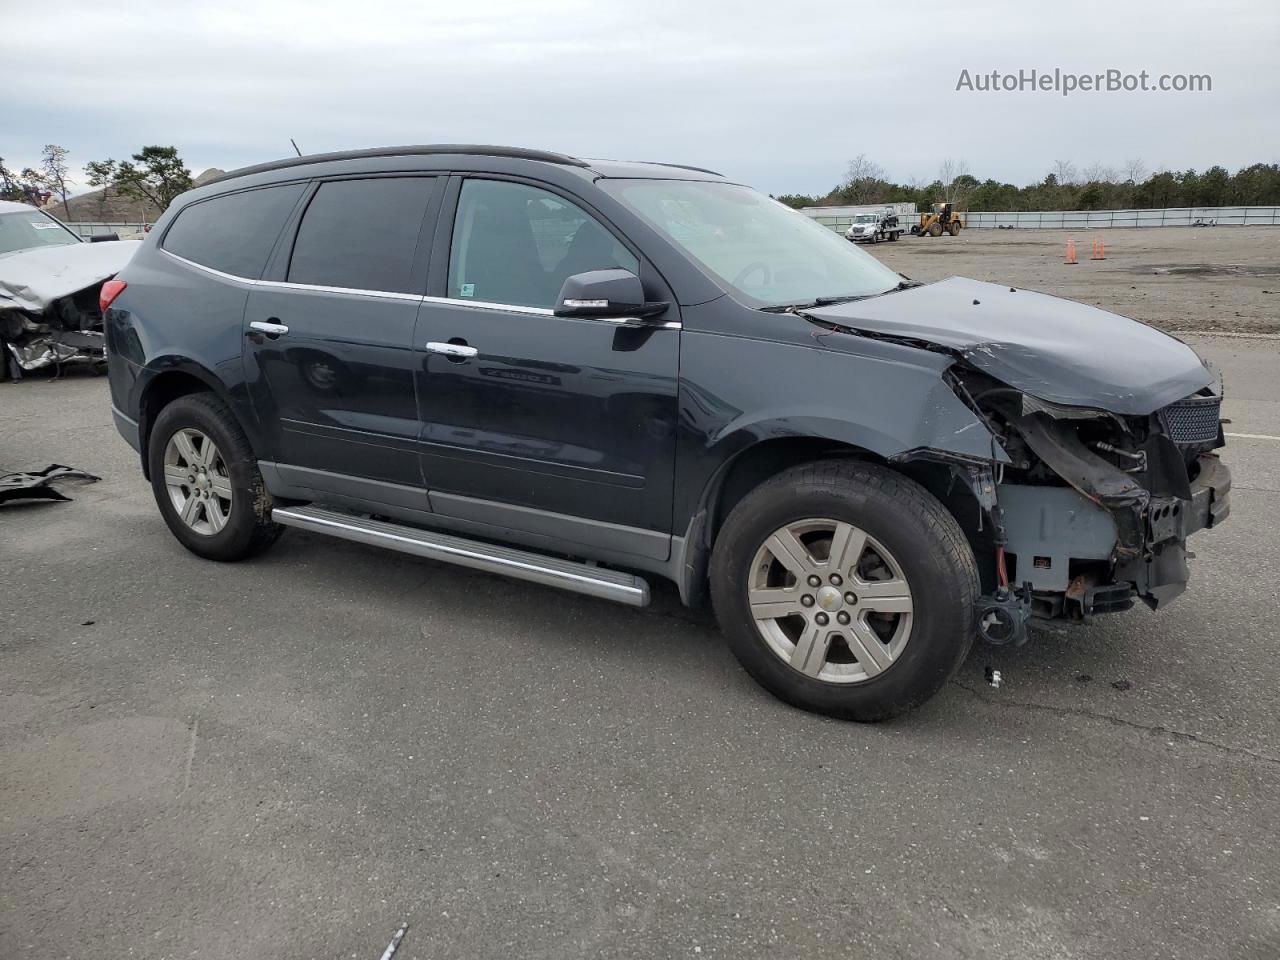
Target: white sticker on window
468	290
43	225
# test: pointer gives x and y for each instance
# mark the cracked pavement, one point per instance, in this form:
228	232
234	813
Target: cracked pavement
293	756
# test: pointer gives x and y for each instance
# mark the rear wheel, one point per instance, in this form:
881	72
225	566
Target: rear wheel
954	228
845	589
206	480
894	236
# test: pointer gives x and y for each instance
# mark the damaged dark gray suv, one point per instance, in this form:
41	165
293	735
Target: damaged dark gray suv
583	373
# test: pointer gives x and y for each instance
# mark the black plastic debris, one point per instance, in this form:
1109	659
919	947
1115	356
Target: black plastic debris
35	485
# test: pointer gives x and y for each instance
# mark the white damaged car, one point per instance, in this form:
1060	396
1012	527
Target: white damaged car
49	284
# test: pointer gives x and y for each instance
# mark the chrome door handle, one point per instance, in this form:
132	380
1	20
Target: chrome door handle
270	329
452	349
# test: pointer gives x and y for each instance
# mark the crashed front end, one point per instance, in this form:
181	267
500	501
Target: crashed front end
1094	509
1103	434
68	331
49	313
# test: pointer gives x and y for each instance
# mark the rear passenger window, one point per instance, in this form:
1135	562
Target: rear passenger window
233	233
361	234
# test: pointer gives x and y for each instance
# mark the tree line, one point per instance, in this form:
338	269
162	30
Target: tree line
155	174
158	174
1065	187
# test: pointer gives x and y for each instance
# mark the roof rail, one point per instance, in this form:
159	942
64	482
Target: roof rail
685	166
418	150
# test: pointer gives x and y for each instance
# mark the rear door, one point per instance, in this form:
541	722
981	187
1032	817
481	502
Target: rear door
543	424
329	336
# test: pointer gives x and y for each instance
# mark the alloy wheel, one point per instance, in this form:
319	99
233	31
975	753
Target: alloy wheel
830	600
198	481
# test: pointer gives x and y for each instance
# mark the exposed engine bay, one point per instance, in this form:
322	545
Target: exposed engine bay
1095	508
68	331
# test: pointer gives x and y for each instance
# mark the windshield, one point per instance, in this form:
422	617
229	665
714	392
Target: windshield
865	218
767	253
22	230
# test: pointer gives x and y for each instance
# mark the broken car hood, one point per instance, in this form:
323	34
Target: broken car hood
32	279
1057	350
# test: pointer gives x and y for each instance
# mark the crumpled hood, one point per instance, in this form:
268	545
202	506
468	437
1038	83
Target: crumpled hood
1054	349
32	279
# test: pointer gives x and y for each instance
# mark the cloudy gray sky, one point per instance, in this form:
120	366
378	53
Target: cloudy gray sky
778	94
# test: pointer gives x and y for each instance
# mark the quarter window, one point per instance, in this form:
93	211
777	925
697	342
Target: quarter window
362	234
516	244
233	233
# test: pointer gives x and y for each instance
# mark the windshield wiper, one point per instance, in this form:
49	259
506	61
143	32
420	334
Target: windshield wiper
832	301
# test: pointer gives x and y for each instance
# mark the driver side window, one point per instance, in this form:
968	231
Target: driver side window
516	244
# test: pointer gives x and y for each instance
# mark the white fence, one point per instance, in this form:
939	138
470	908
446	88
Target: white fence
1096	219
126	231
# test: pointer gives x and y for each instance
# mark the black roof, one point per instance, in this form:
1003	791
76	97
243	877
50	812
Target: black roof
478	150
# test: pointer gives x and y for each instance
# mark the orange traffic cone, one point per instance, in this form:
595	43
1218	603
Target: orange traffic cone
1099	250
1071	252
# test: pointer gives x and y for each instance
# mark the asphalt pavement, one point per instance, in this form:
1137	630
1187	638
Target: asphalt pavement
293	756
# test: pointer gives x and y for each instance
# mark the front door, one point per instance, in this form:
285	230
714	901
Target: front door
329	344
537	423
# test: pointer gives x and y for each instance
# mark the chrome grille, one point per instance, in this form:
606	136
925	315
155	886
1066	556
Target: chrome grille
1193	420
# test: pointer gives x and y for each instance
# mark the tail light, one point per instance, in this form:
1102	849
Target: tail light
107	295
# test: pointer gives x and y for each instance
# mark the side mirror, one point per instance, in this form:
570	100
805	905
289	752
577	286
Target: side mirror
605	294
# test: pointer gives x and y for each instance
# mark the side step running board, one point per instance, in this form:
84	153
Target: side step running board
550	571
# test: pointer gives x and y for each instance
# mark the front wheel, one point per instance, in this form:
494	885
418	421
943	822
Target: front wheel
845	589
206	480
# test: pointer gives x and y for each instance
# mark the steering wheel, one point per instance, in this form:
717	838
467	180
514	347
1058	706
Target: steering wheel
758	266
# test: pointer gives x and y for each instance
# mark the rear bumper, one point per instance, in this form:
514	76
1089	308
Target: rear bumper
128	429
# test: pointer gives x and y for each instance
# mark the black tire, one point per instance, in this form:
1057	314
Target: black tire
926	541
248	529
893	236
954	229
935	229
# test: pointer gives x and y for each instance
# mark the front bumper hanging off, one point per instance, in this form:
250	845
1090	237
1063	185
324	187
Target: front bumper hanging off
1062	542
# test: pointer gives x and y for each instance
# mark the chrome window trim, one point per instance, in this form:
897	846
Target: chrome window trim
286	285
489	305
394	295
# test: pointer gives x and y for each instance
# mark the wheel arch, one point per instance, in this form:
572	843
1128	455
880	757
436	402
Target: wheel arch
165	380
756	463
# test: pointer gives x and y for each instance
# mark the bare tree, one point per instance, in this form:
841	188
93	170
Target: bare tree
1098	172
863	180
957	182
1135	171
1064	171
863	167
53	160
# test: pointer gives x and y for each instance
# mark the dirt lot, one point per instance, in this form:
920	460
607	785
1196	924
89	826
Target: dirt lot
1221	278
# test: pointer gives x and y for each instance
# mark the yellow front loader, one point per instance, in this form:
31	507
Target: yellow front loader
941	219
